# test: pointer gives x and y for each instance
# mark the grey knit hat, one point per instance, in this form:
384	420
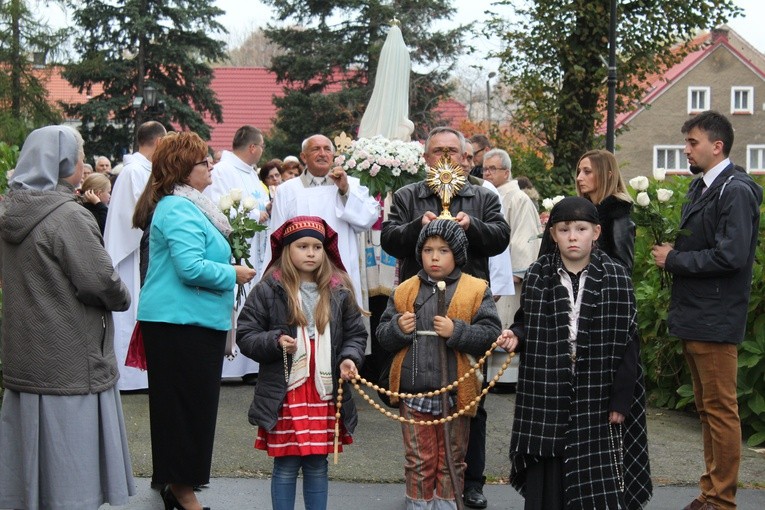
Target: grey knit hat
449	231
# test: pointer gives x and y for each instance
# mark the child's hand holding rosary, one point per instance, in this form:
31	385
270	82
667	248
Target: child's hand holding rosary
407	322
347	369
288	344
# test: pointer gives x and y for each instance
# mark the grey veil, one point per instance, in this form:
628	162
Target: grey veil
49	154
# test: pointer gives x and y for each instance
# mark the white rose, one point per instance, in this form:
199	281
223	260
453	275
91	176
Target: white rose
557	199
547	203
235	194
639	183
659	174
249	203
643	199
663	195
225	203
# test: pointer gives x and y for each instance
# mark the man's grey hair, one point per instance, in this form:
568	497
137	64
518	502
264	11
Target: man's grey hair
504	157
445	129
305	142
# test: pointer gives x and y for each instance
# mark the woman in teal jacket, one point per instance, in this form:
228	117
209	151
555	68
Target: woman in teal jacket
184	312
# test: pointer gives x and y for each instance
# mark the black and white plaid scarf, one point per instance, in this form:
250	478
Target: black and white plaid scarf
559	414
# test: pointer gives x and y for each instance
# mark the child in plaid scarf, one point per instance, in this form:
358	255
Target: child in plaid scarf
579	437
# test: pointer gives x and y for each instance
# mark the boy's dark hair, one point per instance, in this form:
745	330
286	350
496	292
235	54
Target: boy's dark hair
574	209
715	125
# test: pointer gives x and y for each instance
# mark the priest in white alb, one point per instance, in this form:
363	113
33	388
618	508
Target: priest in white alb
122	242
331	194
237	170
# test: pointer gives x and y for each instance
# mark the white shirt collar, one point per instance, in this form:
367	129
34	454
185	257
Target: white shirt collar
716	170
231	159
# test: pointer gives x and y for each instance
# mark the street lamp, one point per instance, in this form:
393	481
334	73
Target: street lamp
146	106
488	97
150	96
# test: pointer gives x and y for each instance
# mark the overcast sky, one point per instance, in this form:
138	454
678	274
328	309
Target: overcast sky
243	16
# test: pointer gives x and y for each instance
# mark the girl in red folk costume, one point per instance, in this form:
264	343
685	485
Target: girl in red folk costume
302	324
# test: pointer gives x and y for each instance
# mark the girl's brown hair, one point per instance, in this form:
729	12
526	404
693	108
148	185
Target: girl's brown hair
609	179
327	276
173	161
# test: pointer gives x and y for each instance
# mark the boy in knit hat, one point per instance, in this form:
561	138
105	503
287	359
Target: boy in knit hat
437	322
579	436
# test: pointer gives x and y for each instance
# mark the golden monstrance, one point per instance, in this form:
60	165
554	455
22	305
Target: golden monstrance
446	180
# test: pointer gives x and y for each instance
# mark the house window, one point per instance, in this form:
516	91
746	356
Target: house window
698	99
670	157
742	100
755	158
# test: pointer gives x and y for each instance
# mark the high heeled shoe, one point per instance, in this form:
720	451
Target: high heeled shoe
170	501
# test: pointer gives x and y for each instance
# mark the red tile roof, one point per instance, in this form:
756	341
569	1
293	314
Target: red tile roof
707	43
246	97
60	90
453	112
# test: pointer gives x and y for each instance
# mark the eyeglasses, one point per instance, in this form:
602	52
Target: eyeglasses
492	169
206	162
261	145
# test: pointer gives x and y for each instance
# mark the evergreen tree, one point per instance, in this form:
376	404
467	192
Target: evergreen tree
553	62
127	45
329	60
23	96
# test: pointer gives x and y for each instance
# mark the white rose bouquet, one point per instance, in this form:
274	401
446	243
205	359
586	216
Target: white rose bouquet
656	211
549	203
243	228
383	165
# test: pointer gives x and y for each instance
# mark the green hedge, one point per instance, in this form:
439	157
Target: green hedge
667	377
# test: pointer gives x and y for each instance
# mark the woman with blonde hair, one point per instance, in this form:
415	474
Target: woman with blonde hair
188	272
598	180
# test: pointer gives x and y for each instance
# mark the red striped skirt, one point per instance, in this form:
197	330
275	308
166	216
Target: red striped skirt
306	424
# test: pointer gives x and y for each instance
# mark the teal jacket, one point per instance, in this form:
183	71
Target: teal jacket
190	279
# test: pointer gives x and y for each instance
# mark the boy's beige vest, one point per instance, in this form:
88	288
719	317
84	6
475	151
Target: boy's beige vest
464	305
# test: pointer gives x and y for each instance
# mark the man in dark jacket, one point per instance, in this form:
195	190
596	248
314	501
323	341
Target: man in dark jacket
477	211
712	278
475	208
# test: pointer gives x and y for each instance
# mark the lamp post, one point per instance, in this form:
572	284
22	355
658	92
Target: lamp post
145	105
138	107
611	103
488	97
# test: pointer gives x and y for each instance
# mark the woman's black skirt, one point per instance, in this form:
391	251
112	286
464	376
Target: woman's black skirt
184	366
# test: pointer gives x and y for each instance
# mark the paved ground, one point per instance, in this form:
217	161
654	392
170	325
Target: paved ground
369	473
248	493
